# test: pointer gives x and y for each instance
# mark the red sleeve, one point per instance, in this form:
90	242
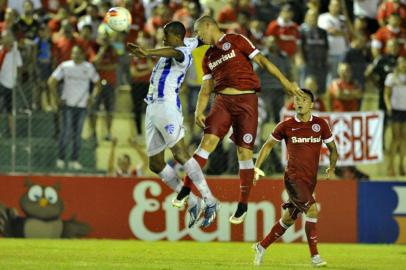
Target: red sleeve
381	12
278	133
206	70
271	29
245	46
380	34
326	134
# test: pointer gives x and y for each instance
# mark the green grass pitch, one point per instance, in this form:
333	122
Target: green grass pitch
131	254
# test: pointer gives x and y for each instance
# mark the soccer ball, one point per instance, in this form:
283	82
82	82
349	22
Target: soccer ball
118	18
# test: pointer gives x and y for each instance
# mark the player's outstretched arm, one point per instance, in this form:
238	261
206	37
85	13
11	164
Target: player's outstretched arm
263	154
330	171
202	101
291	87
168	52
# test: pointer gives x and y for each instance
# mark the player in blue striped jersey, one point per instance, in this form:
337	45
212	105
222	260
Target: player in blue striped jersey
164	120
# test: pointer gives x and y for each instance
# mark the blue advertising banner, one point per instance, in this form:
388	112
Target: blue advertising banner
382	212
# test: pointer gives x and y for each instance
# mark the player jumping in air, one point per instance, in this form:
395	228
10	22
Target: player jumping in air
164	120
229	74
303	134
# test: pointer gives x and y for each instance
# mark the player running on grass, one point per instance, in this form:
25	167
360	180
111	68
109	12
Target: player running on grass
164	120
228	72
303	134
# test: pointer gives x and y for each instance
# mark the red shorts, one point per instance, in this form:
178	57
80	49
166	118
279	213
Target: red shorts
237	111
300	196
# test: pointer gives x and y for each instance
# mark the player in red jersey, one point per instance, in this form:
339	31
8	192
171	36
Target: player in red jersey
303	134
229	74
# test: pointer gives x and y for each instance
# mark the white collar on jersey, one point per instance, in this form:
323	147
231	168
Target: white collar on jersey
221	38
298	120
282	23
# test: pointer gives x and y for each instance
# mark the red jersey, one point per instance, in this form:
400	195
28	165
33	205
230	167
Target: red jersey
340	105
286	33
303	142
385	33
109	58
388	8
228	64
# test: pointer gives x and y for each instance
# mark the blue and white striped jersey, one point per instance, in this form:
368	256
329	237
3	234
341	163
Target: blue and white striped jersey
168	74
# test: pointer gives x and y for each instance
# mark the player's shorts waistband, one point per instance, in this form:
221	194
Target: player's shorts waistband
253	92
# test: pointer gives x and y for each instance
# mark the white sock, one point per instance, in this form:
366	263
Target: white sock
171	179
195	173
202	153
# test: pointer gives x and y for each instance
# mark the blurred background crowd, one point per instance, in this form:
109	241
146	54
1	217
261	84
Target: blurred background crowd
349	52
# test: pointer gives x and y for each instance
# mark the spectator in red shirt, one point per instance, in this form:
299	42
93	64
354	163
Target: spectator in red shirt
345	94
228	14
63	44
140	70
285	31
85	41
105	62
57	20
390	7
392	30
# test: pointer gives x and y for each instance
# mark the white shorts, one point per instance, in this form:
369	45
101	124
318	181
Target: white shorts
163	127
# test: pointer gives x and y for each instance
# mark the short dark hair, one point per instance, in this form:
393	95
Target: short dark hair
309	93
176	28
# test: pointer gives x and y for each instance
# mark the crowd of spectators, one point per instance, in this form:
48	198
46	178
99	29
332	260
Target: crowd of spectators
336	47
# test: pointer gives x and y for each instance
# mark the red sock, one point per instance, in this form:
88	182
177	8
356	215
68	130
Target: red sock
187	182
246	178
276	232
311	234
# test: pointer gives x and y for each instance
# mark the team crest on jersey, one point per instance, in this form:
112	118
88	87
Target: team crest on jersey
170	129
226	46
247	138
316	127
